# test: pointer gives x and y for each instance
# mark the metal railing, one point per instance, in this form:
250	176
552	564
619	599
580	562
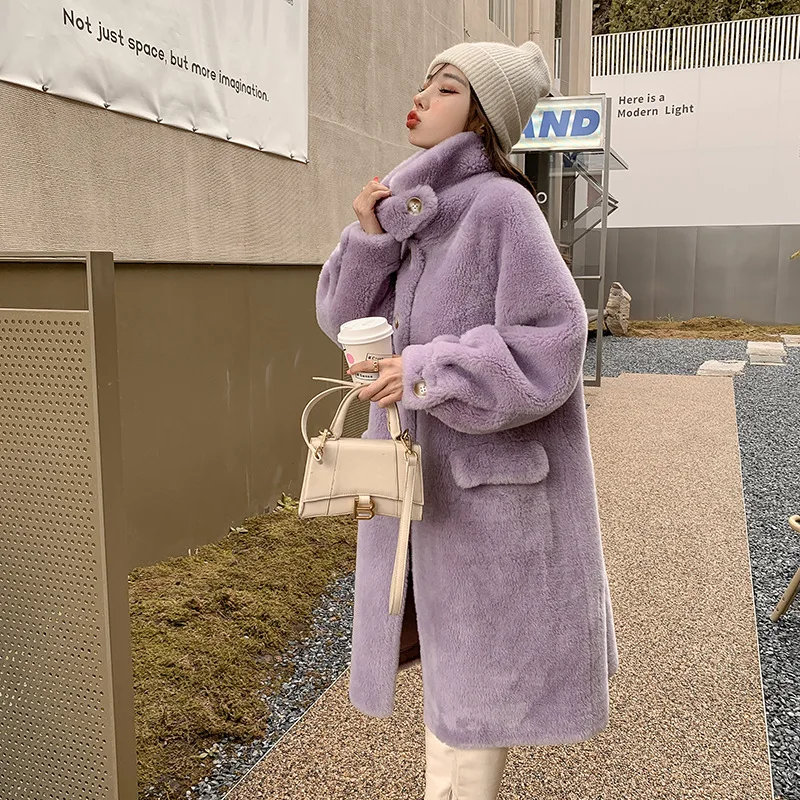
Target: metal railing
716	44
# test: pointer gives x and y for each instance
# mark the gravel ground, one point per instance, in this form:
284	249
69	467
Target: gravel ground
659	356
767	413
768	418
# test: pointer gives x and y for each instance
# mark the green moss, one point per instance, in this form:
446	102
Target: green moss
205	632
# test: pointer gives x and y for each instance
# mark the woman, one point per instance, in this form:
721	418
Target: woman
513	612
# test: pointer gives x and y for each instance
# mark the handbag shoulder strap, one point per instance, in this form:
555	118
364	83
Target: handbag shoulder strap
337	425
401	553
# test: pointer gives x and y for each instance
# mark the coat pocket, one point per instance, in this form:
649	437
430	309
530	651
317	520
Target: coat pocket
504	499
499	463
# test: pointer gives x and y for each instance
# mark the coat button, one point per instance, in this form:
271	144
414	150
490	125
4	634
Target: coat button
420	389
396	323
414	205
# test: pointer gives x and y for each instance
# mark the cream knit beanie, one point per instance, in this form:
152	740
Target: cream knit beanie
509	81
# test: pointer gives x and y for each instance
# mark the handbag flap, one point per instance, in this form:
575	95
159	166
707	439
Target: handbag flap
353	467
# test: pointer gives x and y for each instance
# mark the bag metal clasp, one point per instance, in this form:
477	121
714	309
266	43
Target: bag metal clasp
366	511
405	438
326	434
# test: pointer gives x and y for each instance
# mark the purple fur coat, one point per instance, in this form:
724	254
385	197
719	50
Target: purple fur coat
514	615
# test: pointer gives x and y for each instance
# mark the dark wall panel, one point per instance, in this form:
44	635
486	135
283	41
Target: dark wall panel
215	366
612	257
713	278
754	274
788	292
726	271
636	268
287	349
676	251
184	385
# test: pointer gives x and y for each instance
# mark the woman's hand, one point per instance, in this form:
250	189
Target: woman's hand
364	206
388	387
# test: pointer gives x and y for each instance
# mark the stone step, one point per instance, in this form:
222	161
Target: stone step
722	368
766	349
767	361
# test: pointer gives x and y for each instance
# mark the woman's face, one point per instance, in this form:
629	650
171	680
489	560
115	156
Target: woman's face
440	108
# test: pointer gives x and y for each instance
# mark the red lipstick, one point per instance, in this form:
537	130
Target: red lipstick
412	120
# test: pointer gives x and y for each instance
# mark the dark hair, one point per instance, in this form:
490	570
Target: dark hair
478	121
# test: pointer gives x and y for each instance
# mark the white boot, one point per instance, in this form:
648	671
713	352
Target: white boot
455	774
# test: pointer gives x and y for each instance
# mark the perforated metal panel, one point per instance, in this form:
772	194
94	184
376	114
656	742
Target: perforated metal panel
56	713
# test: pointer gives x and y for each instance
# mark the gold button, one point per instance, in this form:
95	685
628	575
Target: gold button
414	205
420	389
396	324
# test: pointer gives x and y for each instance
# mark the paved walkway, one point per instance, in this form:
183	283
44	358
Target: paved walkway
687	714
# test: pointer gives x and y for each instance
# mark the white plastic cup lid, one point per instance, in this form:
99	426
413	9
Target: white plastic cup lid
364	330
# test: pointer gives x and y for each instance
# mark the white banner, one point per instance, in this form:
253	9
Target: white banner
713	146
232	69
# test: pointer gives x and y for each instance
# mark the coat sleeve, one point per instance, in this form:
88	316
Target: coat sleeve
358	279
525	365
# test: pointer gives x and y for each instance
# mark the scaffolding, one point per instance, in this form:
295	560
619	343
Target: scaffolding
566	148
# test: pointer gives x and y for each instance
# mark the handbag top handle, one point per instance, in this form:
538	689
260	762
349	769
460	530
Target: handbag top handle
337	425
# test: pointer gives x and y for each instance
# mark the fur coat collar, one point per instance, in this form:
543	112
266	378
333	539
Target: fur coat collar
440	179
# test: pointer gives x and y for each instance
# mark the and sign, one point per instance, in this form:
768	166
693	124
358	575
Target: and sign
236	71
565	123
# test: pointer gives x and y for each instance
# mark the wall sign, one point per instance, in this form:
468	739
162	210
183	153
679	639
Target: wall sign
565	123
231	69
699	155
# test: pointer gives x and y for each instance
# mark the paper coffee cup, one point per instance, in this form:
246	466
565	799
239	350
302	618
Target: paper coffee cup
364	339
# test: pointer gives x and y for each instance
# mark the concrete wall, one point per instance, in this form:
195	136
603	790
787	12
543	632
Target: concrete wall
77	177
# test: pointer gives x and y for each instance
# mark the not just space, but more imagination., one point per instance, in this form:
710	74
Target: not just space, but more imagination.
146	50
670	109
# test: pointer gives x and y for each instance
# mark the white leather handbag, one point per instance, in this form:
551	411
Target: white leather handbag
363	477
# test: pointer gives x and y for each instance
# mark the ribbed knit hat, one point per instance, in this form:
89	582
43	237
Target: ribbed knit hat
509	81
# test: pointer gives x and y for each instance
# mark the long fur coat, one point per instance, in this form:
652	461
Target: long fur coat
513	609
